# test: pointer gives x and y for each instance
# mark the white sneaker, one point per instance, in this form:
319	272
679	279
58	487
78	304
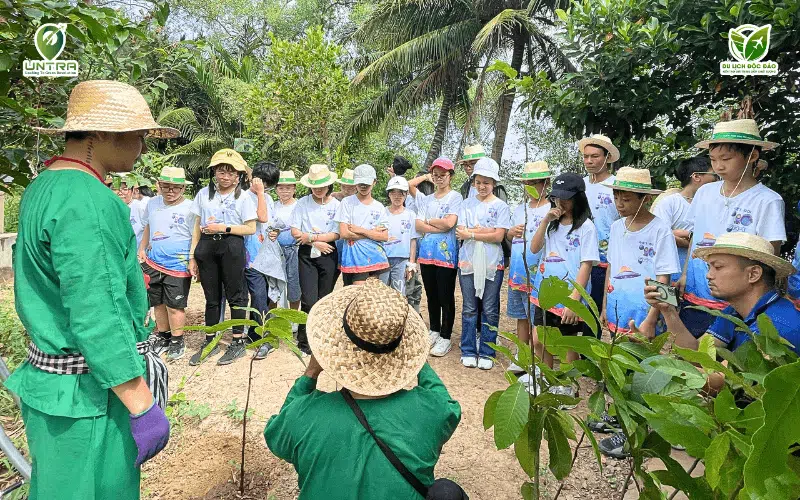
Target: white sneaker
434	337
515	368
469	361
485	364
441	347
294	327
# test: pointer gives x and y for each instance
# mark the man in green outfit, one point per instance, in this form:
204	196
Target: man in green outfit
90	384
371	342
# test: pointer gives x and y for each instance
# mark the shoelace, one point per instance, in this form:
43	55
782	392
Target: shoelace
618	439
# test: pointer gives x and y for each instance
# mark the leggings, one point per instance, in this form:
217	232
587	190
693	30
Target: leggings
440	289
221	262
317	279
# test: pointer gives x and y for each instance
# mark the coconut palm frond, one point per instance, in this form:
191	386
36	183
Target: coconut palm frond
182	119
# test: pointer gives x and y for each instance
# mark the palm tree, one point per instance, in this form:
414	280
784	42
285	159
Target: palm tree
426	51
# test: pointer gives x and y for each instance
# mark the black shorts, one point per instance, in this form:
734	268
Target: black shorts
554	320
165	289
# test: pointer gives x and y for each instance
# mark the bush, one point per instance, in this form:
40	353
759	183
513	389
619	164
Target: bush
11	207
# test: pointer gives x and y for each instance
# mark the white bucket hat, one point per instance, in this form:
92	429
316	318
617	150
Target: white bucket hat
487	168
397	182
364	174
602	141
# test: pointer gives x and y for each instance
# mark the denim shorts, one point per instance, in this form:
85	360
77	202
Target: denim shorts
516	307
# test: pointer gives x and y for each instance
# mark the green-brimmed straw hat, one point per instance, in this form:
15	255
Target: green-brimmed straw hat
535	170
737	131
748	246
173	175
318	176
347	177
287	177
636	180
474	152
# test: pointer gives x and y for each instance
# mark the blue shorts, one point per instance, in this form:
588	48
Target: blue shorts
516	307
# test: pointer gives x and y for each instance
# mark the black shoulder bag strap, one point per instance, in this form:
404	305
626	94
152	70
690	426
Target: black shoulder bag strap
407	475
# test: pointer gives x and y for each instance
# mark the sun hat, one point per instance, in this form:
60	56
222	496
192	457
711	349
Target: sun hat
368	339
397	182
442	162
474	152
535	170
567	185
364	174
635	180
751	247
347	177
230	157
667	192
487	168
603	142
287	177
173	175
109	106
743	131
318	176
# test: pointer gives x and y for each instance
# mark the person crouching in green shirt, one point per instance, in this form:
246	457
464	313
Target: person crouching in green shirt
89	387
370	341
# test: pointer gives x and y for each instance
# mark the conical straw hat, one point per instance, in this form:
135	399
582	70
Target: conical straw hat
378	318
109	106
737	131
751	247
636	180
535	170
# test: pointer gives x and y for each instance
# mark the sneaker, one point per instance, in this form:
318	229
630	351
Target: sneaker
469	361
195	359
614	446
607	423
236	349
434	337
264	350
530	383
441	347
295	326
485	364
176	349
515	368
158	342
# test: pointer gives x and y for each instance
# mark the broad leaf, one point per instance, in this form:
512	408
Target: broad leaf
552	291
558	447
592	439
676	428
221	327
752	418
527	445
489	409
597	403
651	381
714	458
297	317
725	409
510	415
528	491
681	369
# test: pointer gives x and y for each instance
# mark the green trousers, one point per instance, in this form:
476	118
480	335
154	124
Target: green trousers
82	458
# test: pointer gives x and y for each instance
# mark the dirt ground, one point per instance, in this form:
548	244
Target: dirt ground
202	459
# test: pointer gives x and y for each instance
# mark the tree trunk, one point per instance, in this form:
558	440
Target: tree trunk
441	127
506	101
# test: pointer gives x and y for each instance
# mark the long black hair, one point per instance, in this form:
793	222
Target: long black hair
580	213
212	187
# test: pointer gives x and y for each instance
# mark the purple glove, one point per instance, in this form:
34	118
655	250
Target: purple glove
151	432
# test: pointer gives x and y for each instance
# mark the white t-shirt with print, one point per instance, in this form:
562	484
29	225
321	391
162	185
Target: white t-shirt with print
281	219
402	229
674	210
758	210
482	214
634	256
137	215
438	248
311	217
171	228
604	211
368	216
253	242
224	209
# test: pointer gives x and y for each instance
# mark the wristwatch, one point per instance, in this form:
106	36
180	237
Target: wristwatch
228	229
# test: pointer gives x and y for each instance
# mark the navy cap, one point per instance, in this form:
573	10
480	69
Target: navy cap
567	185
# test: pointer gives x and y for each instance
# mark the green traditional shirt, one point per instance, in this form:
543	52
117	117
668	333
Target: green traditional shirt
337	459
78	289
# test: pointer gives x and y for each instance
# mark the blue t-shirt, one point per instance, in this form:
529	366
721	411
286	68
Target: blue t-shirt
780	310
517	277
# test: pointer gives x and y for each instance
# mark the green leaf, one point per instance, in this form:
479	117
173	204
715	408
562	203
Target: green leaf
681	369
561	14
528	491
526	447
752	418
725	408
552	291
221	327
161	85
532	192
715	457
674	427
210	347
297	317
597	403
589	302
708	346
592	439
766	473
278	325
757	44
258	343
503	67
558	447
651	381
555	400
588	369
510	415
489	408
627	363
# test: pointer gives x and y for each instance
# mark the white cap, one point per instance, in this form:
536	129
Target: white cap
487	168
364	174
397	182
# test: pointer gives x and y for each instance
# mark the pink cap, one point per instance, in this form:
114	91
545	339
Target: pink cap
443	162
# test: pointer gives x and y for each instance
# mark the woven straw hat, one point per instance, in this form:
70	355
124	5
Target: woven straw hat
535	170
287	177
636	180
749	246
173	175
347	177
378	318
230	157
602	141
318	176
738	131
660	198
109	106
474	152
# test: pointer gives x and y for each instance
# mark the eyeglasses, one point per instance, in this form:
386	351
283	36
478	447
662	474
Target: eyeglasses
716	176
442	176
170	188
227	173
